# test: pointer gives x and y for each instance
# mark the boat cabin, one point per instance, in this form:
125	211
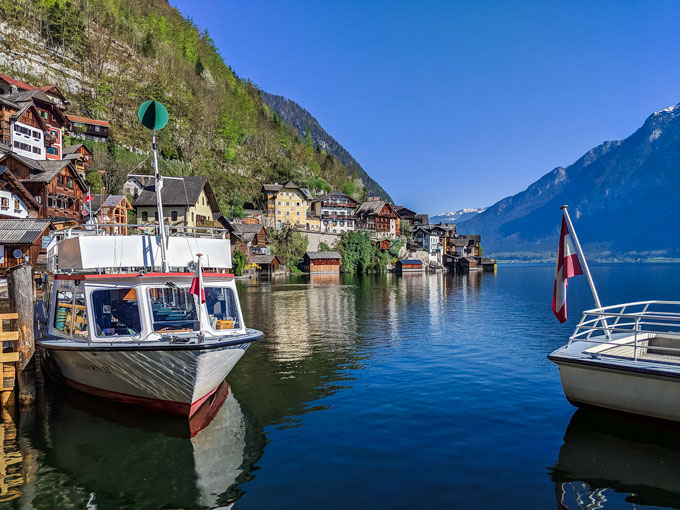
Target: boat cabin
143	308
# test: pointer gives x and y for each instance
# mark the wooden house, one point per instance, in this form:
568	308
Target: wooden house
51	114
250	238
135	185
409	265
22	240
81	157
111	209
55	185
469	264
489	265
379	217
15	200
88	129
268	264
187	202
22	129
322	262
9	85
406	214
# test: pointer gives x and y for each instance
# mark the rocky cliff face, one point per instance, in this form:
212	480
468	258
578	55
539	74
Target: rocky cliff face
622	197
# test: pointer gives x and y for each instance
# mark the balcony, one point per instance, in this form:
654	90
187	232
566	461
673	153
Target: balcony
350	217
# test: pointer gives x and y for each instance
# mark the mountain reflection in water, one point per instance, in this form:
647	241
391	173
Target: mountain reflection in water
608	458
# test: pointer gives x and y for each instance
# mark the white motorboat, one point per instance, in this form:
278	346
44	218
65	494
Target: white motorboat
625	357
120	330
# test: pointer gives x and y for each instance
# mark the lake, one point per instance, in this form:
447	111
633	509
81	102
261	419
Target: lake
421	391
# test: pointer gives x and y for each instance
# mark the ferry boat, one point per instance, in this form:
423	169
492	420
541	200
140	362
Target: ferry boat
124	325
625	357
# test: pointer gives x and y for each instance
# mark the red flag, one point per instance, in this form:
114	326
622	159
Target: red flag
568	265
197	283
88	197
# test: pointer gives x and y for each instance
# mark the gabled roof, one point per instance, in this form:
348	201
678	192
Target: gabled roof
290	185
271	187
43	170
7	102
73	149
17	83
317	255
262	259
85	120
19	188
104	200
243	228
471	259
334	194
178	192
23	107
401	210
36	95
460	243
372	207
22	231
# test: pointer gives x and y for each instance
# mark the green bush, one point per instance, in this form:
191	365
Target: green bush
239	262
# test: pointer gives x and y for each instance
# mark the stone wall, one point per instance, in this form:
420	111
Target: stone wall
316	238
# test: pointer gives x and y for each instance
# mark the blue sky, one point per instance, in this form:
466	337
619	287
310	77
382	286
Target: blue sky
452	104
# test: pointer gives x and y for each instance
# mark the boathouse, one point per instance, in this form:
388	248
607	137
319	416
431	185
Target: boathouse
469	264
409	265
322	262
268	264
22	240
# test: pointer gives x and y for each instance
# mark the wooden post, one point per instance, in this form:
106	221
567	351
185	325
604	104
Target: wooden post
20	290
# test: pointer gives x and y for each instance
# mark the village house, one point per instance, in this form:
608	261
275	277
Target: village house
88	129
288	204
430	239
23	240
55	185
10	85
134	185
405	214
22	129
81	157
15	200
112	210
421	219
335	211
52	115
322	262
187	202
378	217
250	238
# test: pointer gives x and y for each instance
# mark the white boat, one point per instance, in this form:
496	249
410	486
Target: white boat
625	357
120	330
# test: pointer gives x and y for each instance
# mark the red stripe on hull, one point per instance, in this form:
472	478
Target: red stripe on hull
166	406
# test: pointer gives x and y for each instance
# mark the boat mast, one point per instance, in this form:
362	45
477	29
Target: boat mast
159	199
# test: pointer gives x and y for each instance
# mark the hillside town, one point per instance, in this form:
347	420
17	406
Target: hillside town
44	192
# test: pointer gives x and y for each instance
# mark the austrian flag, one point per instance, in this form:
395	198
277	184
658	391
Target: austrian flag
568	265
197	283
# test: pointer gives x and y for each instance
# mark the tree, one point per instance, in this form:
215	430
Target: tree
288	245
239	262
324	247
94	181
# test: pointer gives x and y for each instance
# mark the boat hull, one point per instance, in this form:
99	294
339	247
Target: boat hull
620	389
177	381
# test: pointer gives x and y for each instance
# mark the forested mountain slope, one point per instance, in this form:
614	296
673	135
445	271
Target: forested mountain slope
108	56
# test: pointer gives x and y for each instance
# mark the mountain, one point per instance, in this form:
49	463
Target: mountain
305	124
622	197
108	56
456	216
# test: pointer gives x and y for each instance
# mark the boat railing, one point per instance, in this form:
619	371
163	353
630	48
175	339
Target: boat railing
639	319
150	229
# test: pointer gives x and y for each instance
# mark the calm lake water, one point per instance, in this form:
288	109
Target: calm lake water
422	391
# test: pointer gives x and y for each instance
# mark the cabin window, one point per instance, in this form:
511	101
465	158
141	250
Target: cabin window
69	182
63	315
173	215
173	310
116	312
155	215
36	134
4	202
17	205
145	216
222	309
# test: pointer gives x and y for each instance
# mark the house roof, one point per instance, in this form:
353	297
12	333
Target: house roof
43	170
7	102
471	260
271	187
289	184
8	176
104	200
85	120
372	207
22	231
243	228
178	192
73	149
458	242
401	210
28	95
334	194
409	262
317	255
262	259
17	83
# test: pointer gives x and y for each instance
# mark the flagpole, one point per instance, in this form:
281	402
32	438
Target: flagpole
200	296
586	270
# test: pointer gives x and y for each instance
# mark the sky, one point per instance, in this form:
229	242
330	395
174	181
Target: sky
455	104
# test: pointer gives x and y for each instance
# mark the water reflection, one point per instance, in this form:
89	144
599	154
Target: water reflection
610	459
103	455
